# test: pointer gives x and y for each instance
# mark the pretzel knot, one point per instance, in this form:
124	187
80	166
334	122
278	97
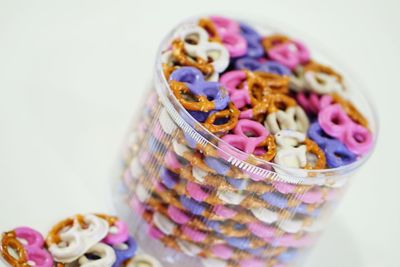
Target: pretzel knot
230	114
350	109
262	86
274	83
316	67
181	57
274	40
279	102
209	26
10	242
54	237
110	219
314	149
266	150
167	70
189	100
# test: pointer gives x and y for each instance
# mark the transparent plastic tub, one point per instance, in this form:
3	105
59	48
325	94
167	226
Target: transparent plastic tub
192	201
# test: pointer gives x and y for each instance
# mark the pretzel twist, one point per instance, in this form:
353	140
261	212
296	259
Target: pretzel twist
231	113
181	57
209	26
10	241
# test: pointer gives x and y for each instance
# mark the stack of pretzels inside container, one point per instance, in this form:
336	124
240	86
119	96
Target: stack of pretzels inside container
244	145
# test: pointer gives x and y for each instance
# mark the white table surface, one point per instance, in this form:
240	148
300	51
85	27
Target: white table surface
72	74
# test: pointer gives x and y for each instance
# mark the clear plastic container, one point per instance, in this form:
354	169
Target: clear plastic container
191	203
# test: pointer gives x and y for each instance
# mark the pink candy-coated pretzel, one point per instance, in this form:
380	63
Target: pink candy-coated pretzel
171	161
302	193
264	232
229	32
31	242
221	211
196	191
313	196
219	251
33	238
247	136
120	236
312	103
34	246
236	84
335	122
222	251
289	240
289	53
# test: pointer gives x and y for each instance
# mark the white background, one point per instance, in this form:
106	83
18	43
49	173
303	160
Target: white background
72	74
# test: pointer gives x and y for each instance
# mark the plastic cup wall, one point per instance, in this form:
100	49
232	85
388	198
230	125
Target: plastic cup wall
189	202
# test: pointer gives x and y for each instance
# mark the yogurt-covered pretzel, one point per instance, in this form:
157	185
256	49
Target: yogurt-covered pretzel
143	260
230	193
183	59
285	240
293	118
221	198
320	79
216	181
196	45
104	256
199	209
72	237
268	217
293	148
